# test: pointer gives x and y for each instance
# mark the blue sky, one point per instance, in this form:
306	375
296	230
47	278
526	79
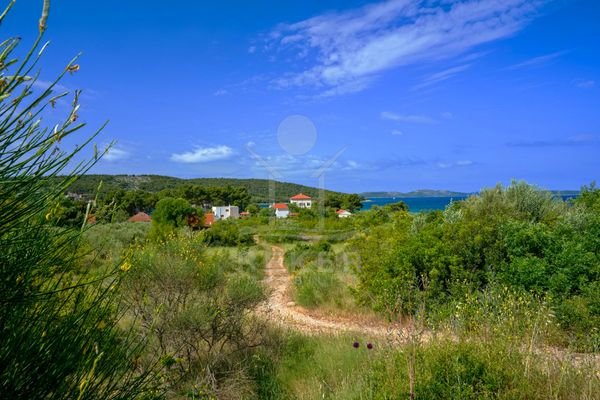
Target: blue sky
388	95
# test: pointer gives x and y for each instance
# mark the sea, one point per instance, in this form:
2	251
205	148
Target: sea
415	204
419	204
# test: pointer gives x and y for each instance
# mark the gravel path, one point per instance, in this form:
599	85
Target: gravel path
280	308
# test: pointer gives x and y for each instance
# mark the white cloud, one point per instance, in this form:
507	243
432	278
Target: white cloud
220	92
447	115
396	132
203	154
540	60
116	154
359	44
251	49
414	119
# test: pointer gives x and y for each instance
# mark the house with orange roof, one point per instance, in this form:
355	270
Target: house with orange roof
281	210
140	217
343	213
301	200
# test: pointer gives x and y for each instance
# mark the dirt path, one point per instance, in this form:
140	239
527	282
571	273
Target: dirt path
280	308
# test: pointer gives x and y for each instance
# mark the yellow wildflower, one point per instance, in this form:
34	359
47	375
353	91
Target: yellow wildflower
126	266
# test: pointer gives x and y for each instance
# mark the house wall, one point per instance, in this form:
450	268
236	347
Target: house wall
302	203
279	213
226	212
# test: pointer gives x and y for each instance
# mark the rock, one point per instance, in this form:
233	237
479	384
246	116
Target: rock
290	304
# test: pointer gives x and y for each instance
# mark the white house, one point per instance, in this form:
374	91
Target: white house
281	210
343	213
301	200
226	212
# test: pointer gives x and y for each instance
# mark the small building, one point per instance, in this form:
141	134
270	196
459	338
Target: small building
343	213
301	200
140	217
244	214
281	210
226	212
209	219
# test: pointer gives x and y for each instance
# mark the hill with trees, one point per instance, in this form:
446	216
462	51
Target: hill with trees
258	189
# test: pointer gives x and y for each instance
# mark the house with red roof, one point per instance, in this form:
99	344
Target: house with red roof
140	217
281	210
301	200
343	213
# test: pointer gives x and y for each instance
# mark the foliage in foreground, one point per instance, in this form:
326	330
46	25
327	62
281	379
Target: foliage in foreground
195	309
493	348
59	325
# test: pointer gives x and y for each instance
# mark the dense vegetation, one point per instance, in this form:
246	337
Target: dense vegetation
257	189
115	203
518	237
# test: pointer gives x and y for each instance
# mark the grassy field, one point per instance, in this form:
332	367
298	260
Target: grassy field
495	345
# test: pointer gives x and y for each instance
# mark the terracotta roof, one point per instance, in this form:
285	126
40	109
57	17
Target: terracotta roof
300	196
342	212
280	206
140	217
209	219
244	213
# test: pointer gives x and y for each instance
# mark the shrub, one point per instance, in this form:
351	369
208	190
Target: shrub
196	311
315	287
226	233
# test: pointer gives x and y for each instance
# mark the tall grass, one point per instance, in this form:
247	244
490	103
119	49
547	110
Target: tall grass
59	328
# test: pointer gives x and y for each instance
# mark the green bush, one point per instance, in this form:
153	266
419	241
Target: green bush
226	233
314	287
517	236
195	309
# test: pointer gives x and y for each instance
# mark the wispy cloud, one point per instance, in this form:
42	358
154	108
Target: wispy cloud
203	154
343	48
585	84
396	132
579	140
414	119
43	85
221	92
454	164
441	76
536	61
116	154
306	165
